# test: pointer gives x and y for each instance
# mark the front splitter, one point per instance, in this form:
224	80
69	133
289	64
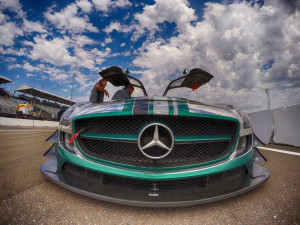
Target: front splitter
199	196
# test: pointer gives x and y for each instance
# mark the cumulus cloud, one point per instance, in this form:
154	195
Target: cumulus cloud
90	59
177	11
8	32
53	51
112	26
30	26
30	75
118	27
10	59
106	41
14	6
106	5
27	66
85	5
235	42
69	20
162	11
12	51
247	47
67	51
101	56
81	40
13	66
58	75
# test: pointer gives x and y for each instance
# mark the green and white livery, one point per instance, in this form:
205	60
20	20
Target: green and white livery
155	151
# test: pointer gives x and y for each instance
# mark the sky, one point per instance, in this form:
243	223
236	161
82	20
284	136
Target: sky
247	45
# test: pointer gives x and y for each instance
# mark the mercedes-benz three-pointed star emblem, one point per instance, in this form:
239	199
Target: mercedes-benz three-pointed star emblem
156	141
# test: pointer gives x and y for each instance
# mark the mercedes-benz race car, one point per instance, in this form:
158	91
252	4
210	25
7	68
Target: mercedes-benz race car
155	151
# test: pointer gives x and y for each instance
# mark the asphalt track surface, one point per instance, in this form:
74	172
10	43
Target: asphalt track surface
26	197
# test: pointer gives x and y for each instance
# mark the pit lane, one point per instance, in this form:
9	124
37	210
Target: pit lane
26	197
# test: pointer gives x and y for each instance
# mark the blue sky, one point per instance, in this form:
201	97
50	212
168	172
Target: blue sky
247	45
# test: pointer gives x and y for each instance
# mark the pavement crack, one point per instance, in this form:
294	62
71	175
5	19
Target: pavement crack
24	189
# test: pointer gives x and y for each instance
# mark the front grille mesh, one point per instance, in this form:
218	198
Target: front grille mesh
188	126
148	185
182	154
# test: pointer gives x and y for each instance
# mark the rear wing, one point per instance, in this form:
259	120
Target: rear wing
194	79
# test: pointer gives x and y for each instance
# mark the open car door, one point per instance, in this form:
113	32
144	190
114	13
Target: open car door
117	77
194	79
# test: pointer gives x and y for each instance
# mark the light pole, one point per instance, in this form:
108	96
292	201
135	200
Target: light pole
268	98
271	141
73	81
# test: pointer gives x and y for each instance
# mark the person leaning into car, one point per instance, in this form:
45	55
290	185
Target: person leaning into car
97	92
123	93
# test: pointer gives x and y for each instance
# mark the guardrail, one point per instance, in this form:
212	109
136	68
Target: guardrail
4	121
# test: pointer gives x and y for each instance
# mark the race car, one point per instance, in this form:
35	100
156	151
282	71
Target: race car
155	151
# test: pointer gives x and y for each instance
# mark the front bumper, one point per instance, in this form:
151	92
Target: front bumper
91	185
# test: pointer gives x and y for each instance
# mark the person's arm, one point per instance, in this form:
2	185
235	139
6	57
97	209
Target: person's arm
100	88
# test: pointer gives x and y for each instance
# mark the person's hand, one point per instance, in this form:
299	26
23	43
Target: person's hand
106	93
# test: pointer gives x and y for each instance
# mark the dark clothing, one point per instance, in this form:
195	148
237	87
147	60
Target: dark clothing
121	95
96	95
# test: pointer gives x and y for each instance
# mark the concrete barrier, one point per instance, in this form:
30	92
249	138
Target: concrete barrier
287	125
283	122
262	125
4	121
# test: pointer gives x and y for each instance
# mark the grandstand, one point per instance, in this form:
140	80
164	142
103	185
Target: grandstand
4	80
7	105
45	105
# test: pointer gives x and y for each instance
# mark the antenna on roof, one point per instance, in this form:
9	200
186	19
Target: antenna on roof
126	71
73	80
185	72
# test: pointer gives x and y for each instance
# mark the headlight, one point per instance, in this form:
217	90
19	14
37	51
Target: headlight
66	118
244	145
245	118
64	139
68	115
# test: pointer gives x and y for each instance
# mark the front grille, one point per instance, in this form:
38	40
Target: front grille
160	186
182	153
188	126
129	153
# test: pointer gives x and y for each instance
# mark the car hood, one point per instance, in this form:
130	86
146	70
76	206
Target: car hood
148	106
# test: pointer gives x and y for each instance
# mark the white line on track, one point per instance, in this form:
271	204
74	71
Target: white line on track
26	130
281	151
